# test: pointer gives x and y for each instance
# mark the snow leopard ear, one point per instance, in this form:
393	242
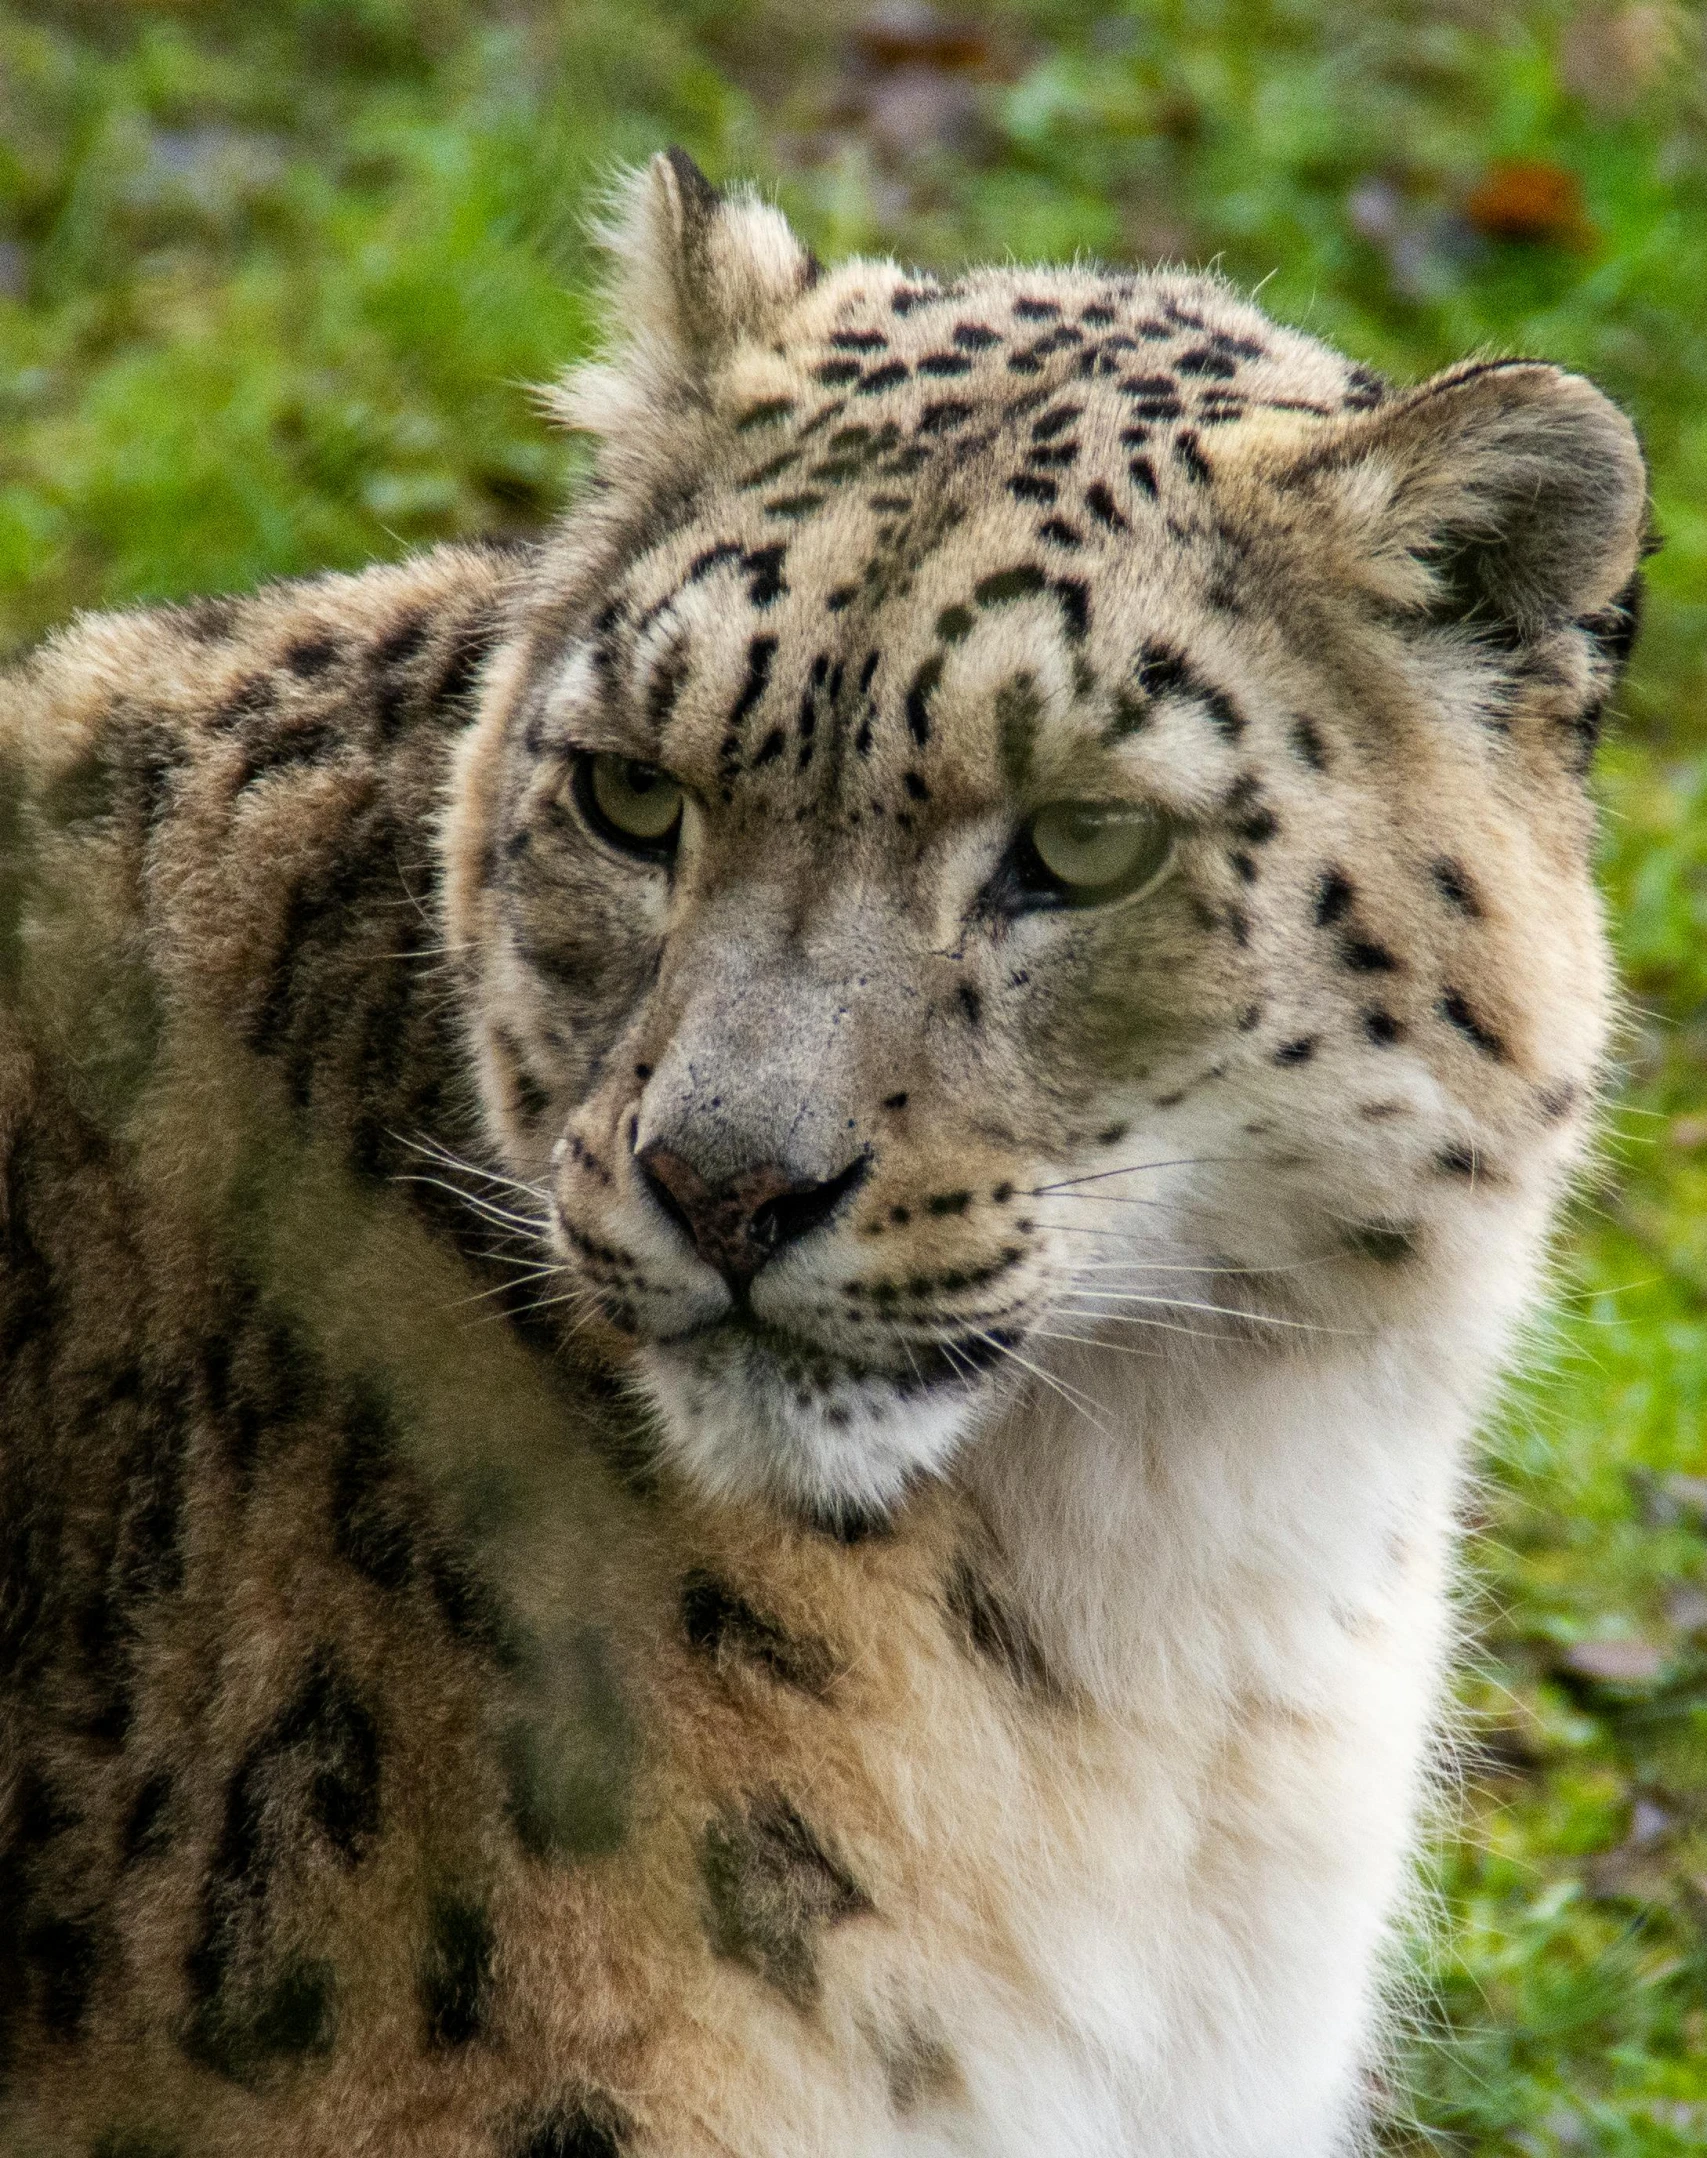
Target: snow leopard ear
1507	496
707	269
695	272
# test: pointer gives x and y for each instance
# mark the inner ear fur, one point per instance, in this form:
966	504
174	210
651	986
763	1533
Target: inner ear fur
694	272
1505	495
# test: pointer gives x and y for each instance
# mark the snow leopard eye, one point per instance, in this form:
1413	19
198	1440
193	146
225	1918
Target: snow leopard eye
1079	854
632	805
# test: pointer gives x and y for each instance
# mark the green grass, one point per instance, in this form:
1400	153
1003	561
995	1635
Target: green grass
279	276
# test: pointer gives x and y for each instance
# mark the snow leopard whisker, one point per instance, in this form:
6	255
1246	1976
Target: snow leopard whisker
1134	1168
1224	1311
1110	1198
506	1288
1069	1394
1095	1341
1170	1266
448	1159
546	1303
1135	1318
488	1211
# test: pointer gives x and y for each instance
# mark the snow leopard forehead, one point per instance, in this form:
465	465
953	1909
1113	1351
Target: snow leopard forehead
1033	480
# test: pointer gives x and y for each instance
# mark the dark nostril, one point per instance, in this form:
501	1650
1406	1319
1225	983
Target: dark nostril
663	1187
794	1214
737	1225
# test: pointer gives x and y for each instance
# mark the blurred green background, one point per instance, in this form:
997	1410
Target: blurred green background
275	278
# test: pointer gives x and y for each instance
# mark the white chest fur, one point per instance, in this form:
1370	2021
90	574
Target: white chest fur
1242	1565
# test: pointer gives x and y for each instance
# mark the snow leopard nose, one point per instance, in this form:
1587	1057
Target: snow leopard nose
739	1224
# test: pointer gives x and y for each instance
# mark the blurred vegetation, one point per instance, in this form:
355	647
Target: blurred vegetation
275	278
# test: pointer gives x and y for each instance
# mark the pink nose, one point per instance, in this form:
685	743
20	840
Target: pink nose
739	1224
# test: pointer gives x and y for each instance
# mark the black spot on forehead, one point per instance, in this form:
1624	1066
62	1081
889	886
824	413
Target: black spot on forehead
883	378
1053	421
1219	410
944	415
714	557
764	567
1153	397
760	653
1207	360
762	475
403	640
1162	670
1019	582
1074	599
1101	505
1188	454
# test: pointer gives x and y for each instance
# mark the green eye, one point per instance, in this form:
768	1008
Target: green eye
1076	854
633	805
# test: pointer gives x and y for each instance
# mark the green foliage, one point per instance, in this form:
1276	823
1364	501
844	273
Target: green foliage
275	279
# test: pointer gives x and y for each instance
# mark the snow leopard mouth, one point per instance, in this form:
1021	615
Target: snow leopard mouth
758	1409
921	1364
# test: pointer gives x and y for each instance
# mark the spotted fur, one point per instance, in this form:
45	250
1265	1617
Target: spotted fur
487	1667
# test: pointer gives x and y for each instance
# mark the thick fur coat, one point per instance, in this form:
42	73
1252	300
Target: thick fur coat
786	1489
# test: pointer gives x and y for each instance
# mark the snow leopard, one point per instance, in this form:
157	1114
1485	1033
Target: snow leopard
746	1256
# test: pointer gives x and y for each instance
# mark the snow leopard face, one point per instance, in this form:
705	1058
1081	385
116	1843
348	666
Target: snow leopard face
1031	807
